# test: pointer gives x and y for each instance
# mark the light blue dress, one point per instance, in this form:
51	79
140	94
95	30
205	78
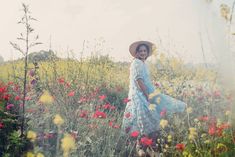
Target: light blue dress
137	115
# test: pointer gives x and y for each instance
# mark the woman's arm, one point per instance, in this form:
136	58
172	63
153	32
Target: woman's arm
143	87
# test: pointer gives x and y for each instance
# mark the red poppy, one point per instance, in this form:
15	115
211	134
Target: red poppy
107	106
126	100
17	97
102	97
7	97
68	84
61	80
146	141
134	134
72	93
203	118
3	90
99	114
180	146
83	114
212	130
225	126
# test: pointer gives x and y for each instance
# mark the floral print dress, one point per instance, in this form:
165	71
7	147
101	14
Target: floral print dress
138	116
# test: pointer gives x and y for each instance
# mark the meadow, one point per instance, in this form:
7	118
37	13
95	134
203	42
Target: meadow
75	108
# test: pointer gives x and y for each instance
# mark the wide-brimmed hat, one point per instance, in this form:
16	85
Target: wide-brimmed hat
134	45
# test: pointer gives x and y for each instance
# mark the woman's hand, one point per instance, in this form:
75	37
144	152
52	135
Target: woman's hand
143	88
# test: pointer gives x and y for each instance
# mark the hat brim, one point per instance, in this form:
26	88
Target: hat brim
134	45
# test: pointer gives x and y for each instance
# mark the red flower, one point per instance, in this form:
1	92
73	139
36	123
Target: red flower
10	83
1	125
17	98
225	126
180	146
157	84
82	99
112	107
107	106
102	97
127	115
126	100
135	134
68	84
83	114
61	80
163	112
203	118
7	97
99	114
9	106
116	126
72	93
146	141
3	90
27	98
212	130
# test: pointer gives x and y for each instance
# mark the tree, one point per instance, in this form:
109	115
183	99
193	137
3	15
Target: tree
29	43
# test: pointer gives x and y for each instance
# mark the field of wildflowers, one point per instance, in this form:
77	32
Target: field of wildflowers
75	108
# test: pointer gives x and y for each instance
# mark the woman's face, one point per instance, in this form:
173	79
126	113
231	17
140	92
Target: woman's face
142	53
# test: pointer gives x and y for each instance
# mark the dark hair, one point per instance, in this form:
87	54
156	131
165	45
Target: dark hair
138	47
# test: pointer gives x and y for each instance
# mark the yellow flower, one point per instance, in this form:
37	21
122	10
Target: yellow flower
163	123
31	135
40	155
67	143
222	147
170	90
185	153
156	92
58	120
30	154
192	133
152	107
169	138
189	110
46	98
158	100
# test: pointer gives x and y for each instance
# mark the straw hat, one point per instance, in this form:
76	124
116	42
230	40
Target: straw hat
134	45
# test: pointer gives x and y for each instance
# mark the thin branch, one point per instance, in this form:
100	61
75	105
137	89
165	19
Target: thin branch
17	47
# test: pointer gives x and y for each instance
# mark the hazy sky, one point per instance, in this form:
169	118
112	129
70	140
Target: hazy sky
119	22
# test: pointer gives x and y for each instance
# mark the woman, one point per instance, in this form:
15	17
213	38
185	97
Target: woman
138	116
